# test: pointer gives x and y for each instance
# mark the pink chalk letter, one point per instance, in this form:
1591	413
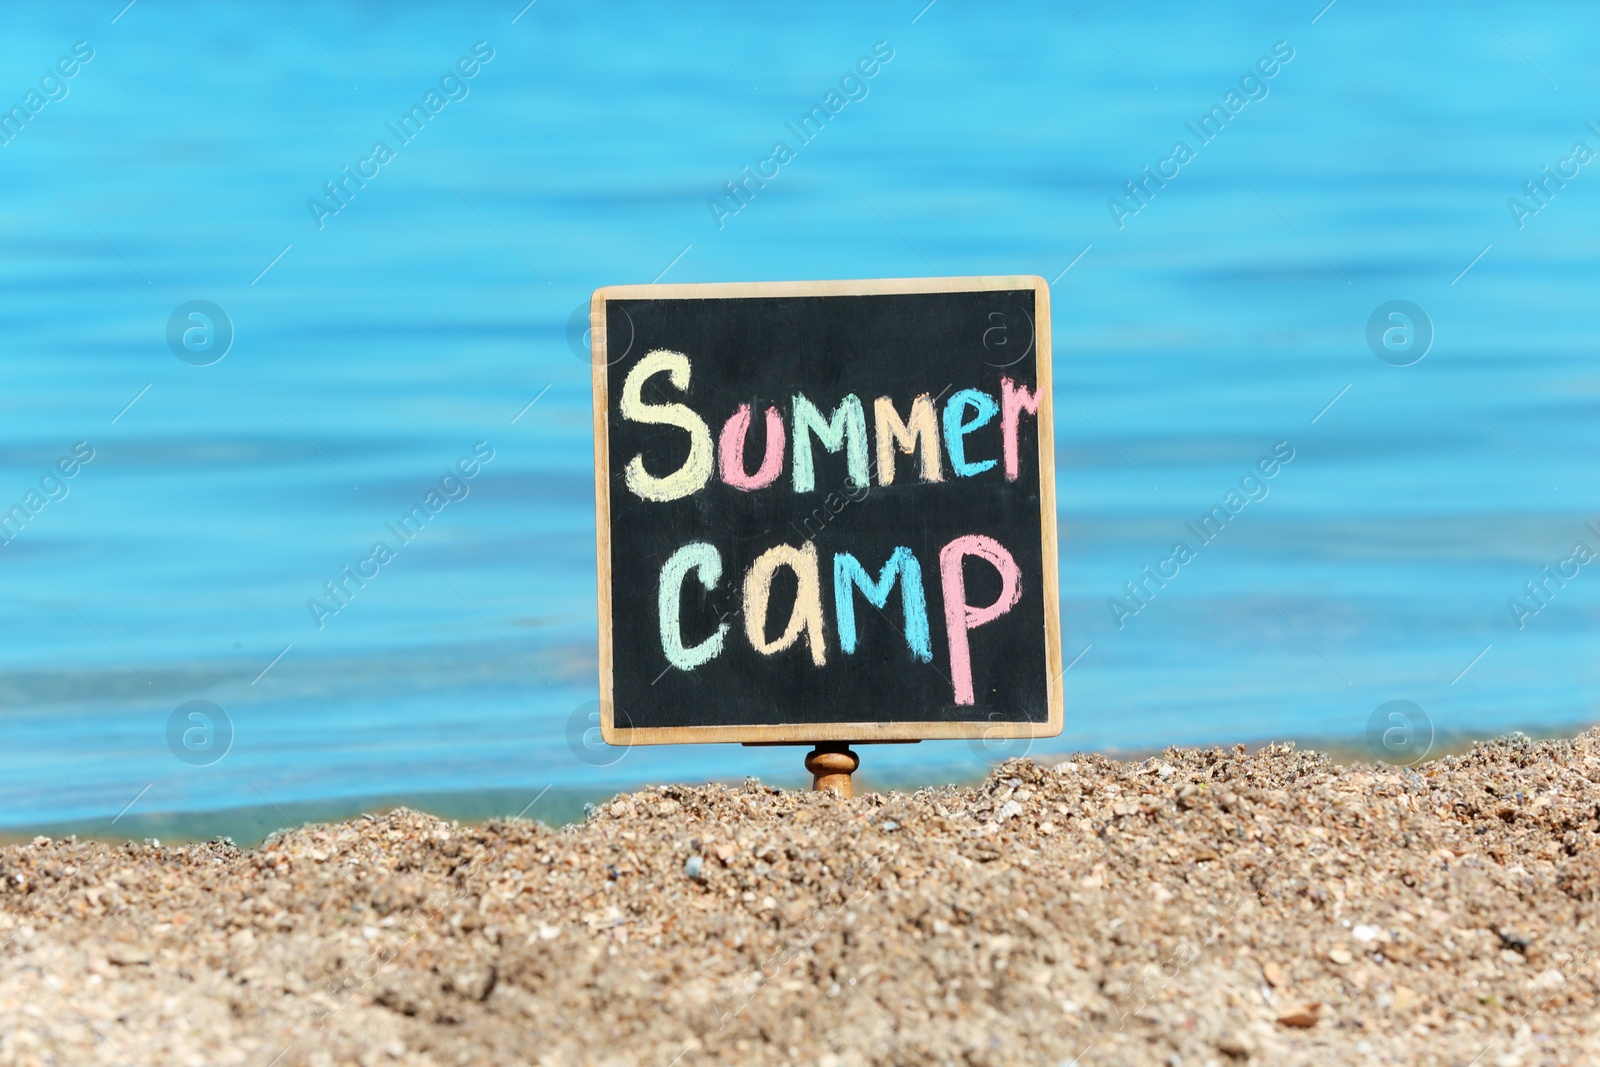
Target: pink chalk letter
731	448
960	618
1014	399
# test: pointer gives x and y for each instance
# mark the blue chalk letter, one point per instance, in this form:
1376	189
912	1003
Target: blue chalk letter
955	428
849	575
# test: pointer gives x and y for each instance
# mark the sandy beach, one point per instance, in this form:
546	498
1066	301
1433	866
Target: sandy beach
1199	907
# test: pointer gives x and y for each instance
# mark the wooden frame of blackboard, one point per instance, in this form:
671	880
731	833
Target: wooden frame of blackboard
847	731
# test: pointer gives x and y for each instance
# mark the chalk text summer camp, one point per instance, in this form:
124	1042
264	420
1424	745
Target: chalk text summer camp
944	445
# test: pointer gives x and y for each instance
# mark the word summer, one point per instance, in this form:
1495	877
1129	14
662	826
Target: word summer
843	430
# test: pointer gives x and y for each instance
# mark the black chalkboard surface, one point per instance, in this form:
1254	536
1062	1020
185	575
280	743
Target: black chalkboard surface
826	511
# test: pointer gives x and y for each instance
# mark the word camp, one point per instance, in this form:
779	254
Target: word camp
943	445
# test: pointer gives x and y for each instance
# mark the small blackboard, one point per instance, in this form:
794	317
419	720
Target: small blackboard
826	511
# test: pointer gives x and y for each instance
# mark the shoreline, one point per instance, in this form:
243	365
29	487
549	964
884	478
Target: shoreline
247	826
1202	906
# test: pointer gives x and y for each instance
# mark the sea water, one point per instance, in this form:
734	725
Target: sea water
389	312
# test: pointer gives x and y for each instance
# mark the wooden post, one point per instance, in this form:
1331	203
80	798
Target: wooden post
831	763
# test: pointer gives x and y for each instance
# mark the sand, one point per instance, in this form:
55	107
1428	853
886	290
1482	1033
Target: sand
1200	907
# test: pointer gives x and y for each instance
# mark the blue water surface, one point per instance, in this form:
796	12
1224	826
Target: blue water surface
374	346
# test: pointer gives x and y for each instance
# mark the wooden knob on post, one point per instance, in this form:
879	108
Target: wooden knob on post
831	766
